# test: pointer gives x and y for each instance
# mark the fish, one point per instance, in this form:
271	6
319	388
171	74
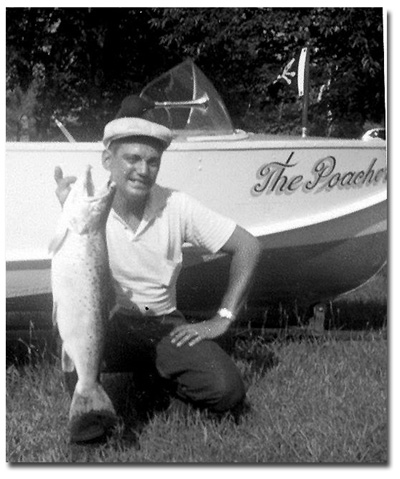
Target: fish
82	298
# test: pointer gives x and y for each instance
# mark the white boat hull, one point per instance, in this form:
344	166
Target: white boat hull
308	264
317	206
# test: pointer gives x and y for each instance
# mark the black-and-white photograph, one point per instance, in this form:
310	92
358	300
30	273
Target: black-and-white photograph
196	235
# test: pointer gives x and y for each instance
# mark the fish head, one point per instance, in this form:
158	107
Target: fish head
87	209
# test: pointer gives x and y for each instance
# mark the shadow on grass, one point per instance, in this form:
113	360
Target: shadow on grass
362	309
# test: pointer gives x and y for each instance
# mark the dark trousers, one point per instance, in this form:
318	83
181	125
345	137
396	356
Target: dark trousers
203	375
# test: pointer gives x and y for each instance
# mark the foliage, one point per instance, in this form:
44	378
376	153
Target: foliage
83	61
83	55
252	45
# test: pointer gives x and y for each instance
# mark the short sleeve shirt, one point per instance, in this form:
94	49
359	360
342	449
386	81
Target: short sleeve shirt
145	264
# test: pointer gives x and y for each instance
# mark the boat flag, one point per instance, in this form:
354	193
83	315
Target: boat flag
296	67
301	71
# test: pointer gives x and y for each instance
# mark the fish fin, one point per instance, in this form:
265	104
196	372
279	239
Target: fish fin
54	315
67	364
58	240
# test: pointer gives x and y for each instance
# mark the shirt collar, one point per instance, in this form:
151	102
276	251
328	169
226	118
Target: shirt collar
156	202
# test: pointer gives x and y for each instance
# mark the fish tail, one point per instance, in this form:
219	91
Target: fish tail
91	416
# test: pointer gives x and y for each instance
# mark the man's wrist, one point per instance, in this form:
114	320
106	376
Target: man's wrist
225	313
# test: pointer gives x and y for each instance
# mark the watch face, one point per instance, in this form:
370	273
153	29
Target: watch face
225	313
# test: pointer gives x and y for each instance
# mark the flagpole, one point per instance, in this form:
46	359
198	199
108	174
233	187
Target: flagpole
304	120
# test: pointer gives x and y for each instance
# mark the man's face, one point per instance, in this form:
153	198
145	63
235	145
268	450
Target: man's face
134	166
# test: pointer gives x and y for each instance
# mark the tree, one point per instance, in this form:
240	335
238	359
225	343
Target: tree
244	49
88	58
81	62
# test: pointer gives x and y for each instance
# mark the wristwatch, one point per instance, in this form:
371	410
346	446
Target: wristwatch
224	313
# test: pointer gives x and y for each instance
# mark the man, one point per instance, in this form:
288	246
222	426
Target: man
146	229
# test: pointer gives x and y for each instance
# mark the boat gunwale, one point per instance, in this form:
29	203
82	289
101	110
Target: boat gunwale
252	142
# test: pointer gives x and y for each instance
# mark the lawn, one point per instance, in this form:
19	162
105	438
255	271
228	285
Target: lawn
313	400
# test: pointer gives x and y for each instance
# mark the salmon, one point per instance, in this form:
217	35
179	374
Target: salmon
81	287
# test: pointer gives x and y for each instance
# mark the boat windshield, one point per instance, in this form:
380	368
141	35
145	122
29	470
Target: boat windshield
187	103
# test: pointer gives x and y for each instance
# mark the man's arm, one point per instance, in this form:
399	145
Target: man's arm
245	251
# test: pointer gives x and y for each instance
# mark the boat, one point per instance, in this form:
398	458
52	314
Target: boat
317	205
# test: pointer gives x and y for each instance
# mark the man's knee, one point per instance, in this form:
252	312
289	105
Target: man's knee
225	391
203	375
217	389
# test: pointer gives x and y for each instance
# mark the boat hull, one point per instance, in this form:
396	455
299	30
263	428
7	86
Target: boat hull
318	208
308	265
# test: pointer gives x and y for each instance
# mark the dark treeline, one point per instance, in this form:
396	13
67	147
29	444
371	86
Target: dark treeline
79	63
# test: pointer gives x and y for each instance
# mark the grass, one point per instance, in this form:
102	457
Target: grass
313	400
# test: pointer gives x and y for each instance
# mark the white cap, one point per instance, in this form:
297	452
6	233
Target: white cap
125	127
